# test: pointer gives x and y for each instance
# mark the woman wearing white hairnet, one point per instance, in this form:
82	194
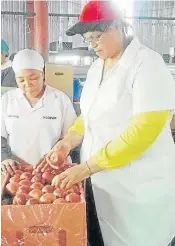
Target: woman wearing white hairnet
34	116
127	146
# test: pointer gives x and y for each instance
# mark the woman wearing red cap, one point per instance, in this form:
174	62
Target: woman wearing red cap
127	147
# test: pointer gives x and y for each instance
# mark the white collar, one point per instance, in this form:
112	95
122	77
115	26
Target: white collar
127	57
130	53
21	95
40	102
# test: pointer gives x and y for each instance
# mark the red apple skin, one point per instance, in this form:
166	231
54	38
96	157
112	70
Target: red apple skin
36	185
12	188
48	189
47	198
72	197
19	199
15	179
24	189
59	200
26	175
36	194
25	182
48	176
32	201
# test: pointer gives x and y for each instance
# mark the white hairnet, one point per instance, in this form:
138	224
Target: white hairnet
27	59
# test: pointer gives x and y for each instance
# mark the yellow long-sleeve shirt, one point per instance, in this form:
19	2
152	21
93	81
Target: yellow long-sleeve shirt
142	131
78	126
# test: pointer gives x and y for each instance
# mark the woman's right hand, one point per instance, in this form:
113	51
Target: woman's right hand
55	157
58	154
9	166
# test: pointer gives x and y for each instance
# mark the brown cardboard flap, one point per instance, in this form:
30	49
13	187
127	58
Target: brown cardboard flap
60	77
173	123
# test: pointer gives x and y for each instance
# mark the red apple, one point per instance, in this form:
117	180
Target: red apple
47	198
19	199
59	200
48	176
72	197
24	189
32	201
12	188
36	194
15	179
24	182
37	185
26	175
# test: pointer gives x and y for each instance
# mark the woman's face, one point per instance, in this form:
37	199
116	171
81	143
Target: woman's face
106	44
30	81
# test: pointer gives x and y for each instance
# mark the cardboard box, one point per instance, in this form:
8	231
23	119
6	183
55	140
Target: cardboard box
173	123
60	77
61	224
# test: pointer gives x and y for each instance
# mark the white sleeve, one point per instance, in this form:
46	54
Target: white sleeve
69	115
153	87
4	101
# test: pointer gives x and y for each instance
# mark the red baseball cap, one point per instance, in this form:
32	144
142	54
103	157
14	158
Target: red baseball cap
93	14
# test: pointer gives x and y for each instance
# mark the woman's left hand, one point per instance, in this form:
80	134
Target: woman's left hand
71	176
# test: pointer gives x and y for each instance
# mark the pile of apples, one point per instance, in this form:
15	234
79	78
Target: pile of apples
34	186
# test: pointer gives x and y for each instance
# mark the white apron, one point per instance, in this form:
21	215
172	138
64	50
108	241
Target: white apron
135	204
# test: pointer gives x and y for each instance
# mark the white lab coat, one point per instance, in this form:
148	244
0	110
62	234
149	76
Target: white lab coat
32	131
136	203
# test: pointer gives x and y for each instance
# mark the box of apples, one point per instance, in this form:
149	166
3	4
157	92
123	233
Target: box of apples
36	213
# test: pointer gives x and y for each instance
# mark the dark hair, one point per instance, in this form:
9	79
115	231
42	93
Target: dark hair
102	26
127	38
11	57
